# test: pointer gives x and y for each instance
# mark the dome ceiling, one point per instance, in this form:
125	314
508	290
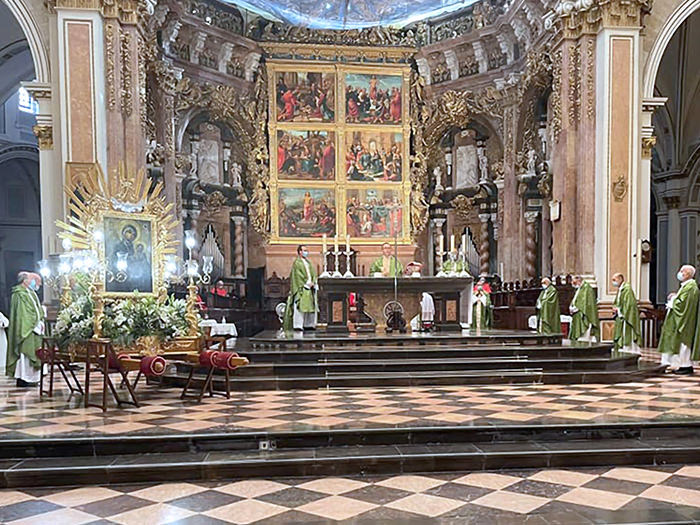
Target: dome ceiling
350	14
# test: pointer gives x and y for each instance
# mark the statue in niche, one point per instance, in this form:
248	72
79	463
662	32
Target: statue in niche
466	166
531	161
194	154
236	179
437	174
209	161
483	164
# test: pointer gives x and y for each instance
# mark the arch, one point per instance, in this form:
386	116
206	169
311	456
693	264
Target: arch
651	68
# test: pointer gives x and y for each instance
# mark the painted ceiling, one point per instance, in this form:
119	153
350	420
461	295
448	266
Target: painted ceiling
350	14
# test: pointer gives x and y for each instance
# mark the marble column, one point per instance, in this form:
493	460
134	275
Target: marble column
484	245
531	243
50	168
436	231
238	245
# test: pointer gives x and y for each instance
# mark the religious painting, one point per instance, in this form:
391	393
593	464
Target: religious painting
305	96
306	212
373	98
374	213
373	156
305	155
128	245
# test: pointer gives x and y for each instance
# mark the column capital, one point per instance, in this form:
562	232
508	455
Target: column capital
651	104
573	18
531	216
44	136
126	11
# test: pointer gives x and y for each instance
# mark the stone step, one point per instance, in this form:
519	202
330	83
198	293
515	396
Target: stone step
436	378
342	460
360	366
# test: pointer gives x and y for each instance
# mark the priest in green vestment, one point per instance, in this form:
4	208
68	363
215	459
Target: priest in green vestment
585	325
482	312
25	331
628	333
548	313
452	265
302	303
680	334
387	265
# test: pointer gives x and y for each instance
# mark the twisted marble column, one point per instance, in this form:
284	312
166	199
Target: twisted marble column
531	244
484	245
238	265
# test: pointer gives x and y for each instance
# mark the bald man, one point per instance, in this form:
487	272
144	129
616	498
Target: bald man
628	333
548	313
680	336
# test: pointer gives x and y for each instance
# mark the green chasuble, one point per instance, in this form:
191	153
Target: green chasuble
482	311
681	324
586	313
304	298
452	266
548	314
627	326
394	267
25	313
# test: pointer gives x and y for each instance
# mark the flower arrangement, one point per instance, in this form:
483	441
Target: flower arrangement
124	322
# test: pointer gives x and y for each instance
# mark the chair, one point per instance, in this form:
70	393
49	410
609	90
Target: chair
52	358
101	352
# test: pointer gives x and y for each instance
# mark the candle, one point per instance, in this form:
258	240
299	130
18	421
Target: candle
347	243
336	242
324	244
452	242
464	243
441	243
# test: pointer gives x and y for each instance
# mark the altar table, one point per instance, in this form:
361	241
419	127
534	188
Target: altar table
450	295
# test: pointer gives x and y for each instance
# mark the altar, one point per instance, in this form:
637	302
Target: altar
452	295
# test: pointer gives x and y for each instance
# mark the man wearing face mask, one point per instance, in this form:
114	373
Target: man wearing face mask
680	335
548	313
584	313
26	330
302	303
628	333
452	265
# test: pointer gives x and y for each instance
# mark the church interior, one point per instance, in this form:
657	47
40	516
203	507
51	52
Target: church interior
349	261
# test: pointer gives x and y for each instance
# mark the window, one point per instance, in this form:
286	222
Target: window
26	103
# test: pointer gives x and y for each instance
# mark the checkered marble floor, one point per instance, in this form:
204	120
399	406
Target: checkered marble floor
668	494
666	398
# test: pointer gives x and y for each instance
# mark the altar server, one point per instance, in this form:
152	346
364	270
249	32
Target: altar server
26	330
482	313
302	304
628	333
680	334
548	313
387	265
585	325
427	311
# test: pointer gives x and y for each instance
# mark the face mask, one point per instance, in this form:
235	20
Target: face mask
544	286
33	286
616	284
304	253
679	275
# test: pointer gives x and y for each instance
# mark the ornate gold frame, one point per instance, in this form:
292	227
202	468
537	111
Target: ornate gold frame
340	128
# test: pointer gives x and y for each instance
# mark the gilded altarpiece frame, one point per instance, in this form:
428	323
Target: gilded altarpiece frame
317	117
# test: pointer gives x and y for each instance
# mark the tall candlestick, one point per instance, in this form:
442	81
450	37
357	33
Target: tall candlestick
442	239
464	242
324	244
452	242
336	242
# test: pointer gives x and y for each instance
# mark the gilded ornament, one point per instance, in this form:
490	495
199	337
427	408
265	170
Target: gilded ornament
109	65
44	136
648	144
126	74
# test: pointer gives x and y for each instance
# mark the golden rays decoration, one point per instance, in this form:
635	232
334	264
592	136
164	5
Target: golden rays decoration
129	199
